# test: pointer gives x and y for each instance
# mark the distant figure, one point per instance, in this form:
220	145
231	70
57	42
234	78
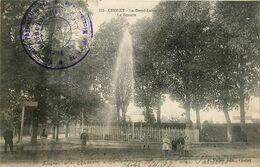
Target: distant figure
187	146
180	145
174	144
166	145
8	137
146	141
43	137
83	138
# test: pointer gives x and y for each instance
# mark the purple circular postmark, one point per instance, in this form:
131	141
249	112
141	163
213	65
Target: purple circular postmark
56	34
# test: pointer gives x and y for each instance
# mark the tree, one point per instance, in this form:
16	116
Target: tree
19	76
70	95
240	20
183	47
149	70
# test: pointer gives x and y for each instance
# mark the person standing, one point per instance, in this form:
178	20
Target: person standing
146	141
166	145
8	137
43	137
174	144
180	145
187	146
83	138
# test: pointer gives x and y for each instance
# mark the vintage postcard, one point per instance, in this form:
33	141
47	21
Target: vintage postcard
130	83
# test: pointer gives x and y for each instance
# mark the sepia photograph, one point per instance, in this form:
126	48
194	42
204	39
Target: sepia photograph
130	83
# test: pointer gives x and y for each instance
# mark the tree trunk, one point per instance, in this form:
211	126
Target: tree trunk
18	134
75	125
187	109
242	111
34	130
147	116
229	128
187	101
159	111
118	114
159	116
242	117
123	119
53	132
198	119
67	130
82	121
242	99
123	115
57	132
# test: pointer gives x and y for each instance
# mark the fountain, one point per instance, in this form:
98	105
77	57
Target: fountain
122	81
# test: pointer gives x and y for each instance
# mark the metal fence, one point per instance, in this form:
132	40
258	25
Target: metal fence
132	133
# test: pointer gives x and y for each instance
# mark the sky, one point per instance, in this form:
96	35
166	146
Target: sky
104	10
172	109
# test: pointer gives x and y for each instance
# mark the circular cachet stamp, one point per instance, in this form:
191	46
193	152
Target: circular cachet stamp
56	34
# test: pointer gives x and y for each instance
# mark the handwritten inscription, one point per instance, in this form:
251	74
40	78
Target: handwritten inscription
220	160
153	162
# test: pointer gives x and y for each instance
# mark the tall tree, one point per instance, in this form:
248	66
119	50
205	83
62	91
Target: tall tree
221	66
180	27
18	73
149	70
241	21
